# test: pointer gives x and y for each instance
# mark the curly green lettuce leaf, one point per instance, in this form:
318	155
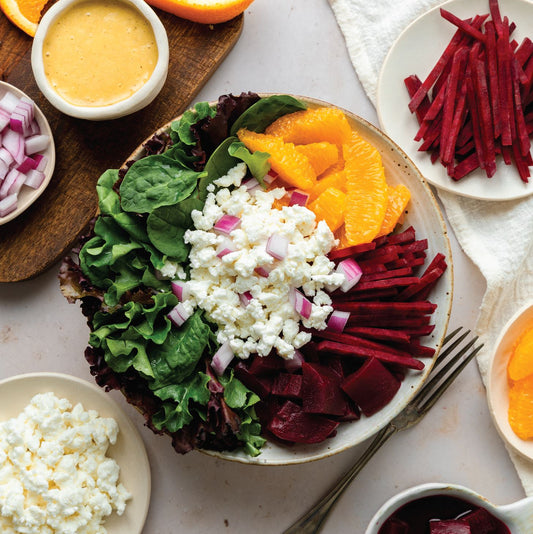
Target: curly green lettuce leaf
180	130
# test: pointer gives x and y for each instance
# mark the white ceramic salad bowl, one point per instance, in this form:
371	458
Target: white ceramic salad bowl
517	516
425	216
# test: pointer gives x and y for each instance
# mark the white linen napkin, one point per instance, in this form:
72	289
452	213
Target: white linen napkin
497	236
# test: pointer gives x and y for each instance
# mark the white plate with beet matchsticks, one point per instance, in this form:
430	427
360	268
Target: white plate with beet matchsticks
418	50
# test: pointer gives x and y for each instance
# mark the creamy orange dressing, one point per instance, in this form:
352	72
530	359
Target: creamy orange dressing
98	53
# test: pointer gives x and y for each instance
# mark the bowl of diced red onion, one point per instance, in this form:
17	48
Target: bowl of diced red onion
27	152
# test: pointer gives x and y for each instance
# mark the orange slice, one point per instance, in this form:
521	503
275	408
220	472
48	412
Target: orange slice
367	191
521	407
204	11
292	166
334	179
23	13
521	362
312	126
321	155
399	197
329	207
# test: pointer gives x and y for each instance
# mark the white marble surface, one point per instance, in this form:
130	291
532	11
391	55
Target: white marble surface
290	46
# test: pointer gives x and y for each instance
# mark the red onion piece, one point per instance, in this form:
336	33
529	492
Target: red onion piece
351	271
40	162
298	198
277	246
225	247
27	164
178	314
181	290
270	176
8	204
4	119
300	303
17	184
262	271
34	178
337	321
9	102
222	358
251	184
6	156
4	168
294	363
226	224
245	297
14	143
36	143
9	180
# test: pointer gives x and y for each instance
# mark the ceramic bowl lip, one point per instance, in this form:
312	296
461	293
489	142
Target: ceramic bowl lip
426	490
135	102
497	386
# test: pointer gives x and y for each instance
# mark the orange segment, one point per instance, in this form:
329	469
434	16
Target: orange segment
23	13
521	361
312	126
330	207
399	197
292	166
334	179
521	407
321	155
204	11
367	191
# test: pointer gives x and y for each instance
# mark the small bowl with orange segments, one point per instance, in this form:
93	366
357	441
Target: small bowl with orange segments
302	138
510	382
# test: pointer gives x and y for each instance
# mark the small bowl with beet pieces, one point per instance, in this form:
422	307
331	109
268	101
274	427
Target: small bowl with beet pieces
439	508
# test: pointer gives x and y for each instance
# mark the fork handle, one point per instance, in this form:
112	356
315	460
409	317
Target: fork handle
312	521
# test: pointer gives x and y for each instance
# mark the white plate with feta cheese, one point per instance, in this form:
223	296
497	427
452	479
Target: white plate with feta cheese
96	420
425	216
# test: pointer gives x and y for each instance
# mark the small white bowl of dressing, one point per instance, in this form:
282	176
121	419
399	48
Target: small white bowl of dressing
100	59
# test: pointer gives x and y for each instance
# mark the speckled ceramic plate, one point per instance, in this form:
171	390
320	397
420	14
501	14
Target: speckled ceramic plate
129	452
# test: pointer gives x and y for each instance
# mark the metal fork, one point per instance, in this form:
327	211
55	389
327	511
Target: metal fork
444	372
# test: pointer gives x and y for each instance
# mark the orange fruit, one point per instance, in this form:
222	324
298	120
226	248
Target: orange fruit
312	126
521	407
521	362
329	207
398	198
367	191
292	166
334	179
321	155
204	11
23	13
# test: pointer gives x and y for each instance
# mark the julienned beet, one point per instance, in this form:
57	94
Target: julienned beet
166	370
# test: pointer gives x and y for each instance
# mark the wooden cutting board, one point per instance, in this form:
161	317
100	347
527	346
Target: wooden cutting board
32	242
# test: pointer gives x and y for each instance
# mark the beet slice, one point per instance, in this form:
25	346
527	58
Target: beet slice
287	385
321	392
258	384
449	526
371	387
264	365
480	520
292	424
395	526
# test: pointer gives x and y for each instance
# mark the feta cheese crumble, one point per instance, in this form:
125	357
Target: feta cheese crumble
267	321
55	477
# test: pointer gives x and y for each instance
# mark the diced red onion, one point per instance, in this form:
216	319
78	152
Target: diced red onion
36	143
14	143
34	178
181	290
245	297
17	123
27	164
337	321
4	168
17	184
4	119
178	314
298	198
34	128
270	176
251	184
8	204
225	247
9	180
351	271
6	156
222	358
294	363
41	161
226	224
262	271
277	246
300	303
9	102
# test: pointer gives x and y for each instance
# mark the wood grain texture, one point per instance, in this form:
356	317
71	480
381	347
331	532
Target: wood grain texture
41	235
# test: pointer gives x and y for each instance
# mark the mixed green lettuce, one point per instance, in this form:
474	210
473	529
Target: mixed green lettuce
125	294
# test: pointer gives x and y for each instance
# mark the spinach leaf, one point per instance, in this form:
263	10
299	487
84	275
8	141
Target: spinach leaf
265	111
156	181
181	129
256	162
167	225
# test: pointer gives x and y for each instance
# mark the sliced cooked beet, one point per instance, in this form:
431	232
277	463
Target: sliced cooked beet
371	387
291	423
264	365
321	392
287	385
480	520
449	526
260	385
395	526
